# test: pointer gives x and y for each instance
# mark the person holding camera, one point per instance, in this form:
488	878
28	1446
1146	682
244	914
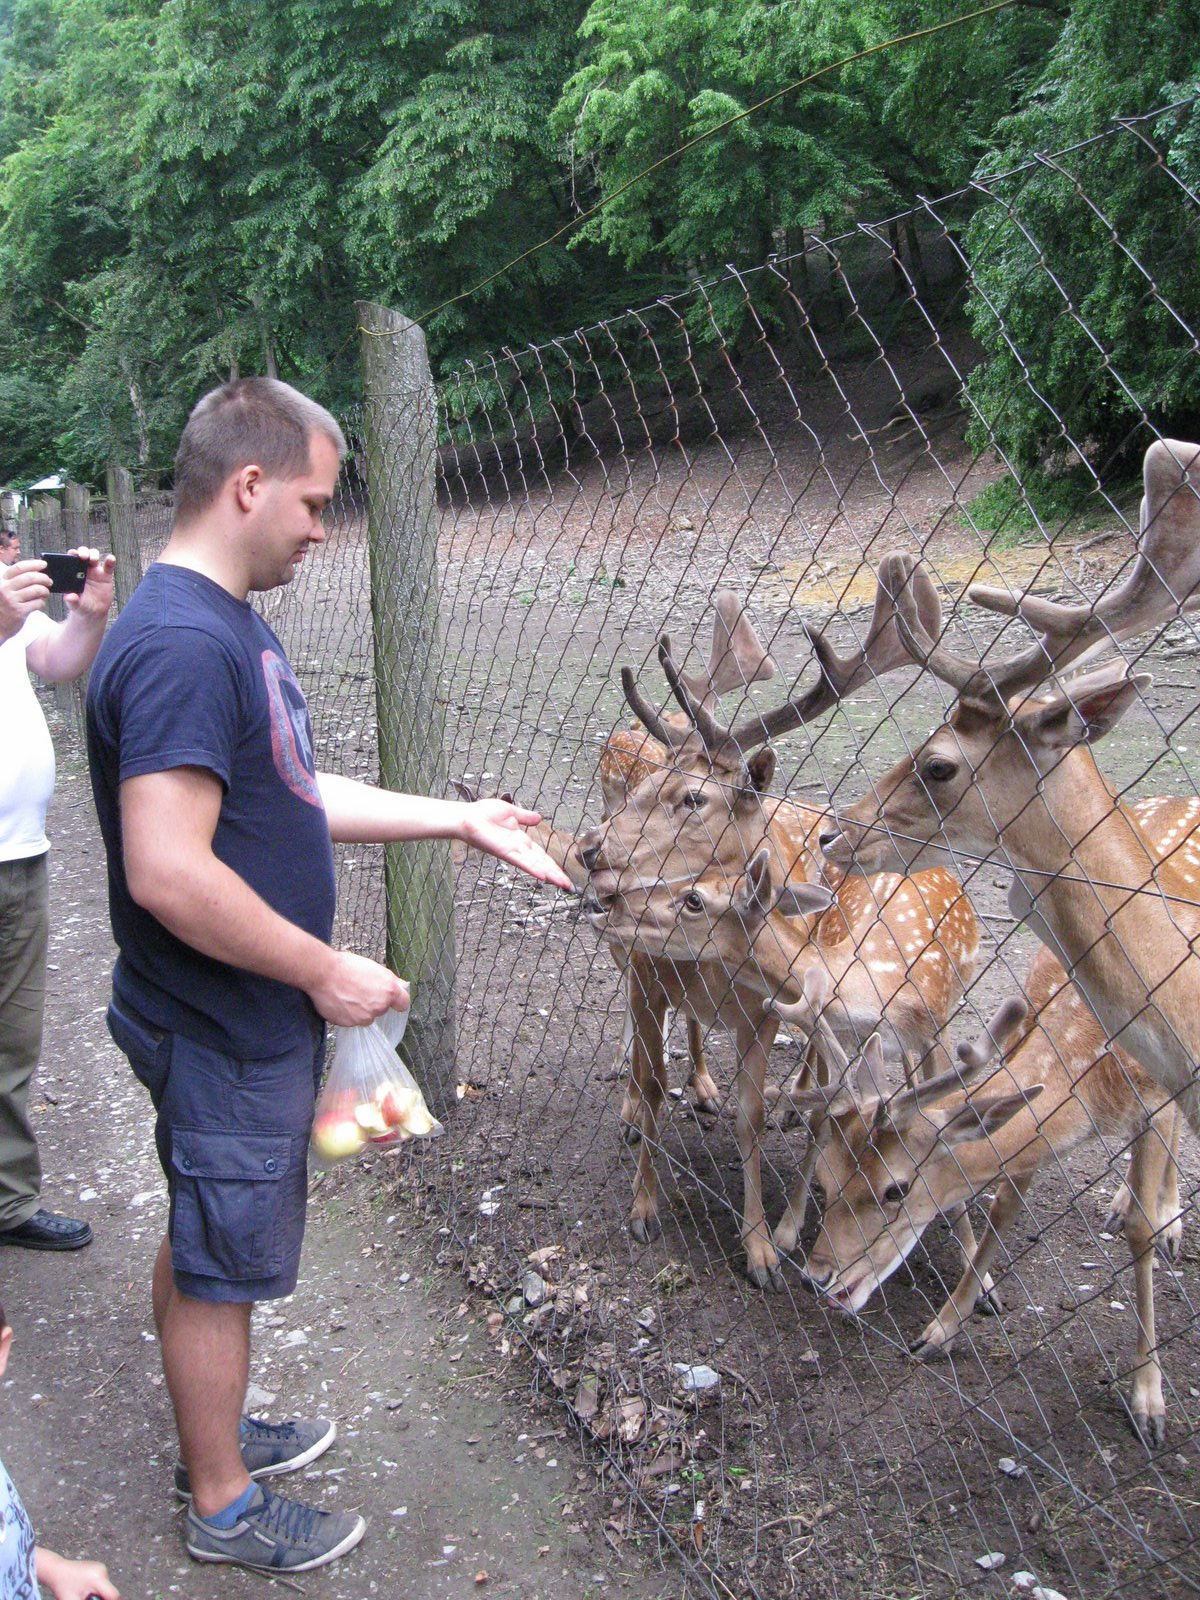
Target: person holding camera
60	652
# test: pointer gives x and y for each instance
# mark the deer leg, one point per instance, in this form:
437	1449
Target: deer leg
1169	1238
988	1301
1151	1155
754	1046
705	1094
631	1113
648	1087
791	1224
946	1326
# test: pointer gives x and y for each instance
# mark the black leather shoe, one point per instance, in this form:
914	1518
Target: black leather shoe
46	1230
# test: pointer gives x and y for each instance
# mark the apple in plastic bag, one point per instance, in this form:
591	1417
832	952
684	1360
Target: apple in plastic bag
404	1109
336	1136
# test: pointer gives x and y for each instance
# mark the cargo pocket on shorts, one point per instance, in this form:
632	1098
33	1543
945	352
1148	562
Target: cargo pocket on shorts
228	1203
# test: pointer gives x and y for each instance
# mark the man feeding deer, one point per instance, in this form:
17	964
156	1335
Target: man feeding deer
218	830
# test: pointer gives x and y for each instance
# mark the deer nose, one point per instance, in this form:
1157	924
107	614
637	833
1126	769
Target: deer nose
825	840
589	854
814	1277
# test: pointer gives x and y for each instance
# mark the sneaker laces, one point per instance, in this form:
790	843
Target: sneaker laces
287	1519
273	1430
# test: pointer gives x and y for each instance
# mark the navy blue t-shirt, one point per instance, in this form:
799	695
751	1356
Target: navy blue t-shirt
189	676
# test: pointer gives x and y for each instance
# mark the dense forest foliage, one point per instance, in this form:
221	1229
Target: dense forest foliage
190	188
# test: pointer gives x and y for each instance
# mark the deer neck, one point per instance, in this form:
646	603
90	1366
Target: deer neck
1087	884
1075	852
780	950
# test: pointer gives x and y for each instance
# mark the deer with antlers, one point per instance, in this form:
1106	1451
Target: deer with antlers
890	1165
737	658
630	757
709	804
1013	776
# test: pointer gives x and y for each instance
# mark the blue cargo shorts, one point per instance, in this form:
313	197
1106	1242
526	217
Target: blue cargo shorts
232	1138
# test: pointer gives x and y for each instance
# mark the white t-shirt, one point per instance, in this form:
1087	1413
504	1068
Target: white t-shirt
26	750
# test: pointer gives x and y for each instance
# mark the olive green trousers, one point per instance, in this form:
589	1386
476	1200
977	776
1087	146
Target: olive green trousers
24	934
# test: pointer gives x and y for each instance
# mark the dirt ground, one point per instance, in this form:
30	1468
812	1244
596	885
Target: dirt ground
469	1484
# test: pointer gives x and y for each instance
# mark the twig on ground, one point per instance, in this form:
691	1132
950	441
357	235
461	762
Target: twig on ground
745	1383
101	1386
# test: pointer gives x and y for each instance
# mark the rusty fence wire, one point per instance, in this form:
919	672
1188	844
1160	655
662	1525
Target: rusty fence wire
941	386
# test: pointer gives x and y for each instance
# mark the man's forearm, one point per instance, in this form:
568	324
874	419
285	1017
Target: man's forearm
69	651
359	813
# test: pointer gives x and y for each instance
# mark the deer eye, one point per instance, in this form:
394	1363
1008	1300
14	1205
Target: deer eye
694	799
693	902
939	770
895	1192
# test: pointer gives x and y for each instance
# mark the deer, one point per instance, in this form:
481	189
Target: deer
895	953
890	1165
1011	776
712	796
737	658
629	757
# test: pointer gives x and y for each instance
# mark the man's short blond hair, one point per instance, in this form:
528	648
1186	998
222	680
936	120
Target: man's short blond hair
254	421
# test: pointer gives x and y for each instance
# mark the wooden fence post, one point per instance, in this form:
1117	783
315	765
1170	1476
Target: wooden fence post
122	531
401	457
76	509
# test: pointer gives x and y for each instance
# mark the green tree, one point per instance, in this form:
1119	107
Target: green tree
1086	294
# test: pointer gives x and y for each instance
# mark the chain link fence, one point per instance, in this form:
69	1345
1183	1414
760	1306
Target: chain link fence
777	433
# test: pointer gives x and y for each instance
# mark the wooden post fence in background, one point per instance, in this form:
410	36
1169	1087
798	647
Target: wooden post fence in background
401	450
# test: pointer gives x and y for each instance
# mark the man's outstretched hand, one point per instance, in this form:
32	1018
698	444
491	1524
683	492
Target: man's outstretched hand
500	828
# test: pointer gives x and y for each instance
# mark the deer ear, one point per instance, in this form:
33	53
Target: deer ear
753	894
871	1069
760	769
804	899
981	1117
1084	711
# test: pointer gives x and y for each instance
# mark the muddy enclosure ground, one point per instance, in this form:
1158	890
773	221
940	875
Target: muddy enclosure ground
824	1460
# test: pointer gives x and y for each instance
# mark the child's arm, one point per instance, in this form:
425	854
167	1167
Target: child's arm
72	1580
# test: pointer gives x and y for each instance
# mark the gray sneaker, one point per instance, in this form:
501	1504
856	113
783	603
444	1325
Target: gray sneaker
273	1447
275	1535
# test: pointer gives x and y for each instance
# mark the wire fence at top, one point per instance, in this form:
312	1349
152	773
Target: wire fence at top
792	1375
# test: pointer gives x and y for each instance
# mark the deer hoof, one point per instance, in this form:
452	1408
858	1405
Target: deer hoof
786	1238
645	1229
763	1277
989	1303
1169	1241
931	1346
1114	1221
631	1134
1150	1427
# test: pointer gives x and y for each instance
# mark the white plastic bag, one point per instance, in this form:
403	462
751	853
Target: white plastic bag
369	1096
